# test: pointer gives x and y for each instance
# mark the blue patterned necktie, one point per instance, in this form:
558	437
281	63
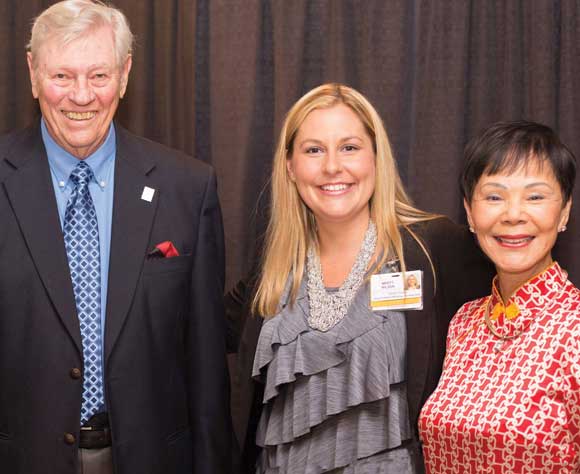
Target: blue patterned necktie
81	238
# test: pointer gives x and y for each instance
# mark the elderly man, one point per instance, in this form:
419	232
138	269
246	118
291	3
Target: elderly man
112	355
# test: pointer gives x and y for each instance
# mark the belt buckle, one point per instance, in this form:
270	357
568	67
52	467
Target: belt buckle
92	438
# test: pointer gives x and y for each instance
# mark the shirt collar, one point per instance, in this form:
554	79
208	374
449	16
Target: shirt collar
530	299
62	163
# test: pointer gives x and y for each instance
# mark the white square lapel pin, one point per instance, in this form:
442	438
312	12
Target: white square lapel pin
147	194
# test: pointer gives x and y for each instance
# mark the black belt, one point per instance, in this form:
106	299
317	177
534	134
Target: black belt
95	433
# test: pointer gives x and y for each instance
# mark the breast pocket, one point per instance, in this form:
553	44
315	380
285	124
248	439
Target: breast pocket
183	263
164	292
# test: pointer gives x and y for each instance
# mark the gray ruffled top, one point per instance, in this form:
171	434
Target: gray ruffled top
334	401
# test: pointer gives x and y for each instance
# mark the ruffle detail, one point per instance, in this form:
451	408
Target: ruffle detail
370	343
404	460
345	441
366	371
333	399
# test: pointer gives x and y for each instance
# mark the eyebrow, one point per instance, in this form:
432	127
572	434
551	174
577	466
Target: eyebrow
90	68
320	142
527	186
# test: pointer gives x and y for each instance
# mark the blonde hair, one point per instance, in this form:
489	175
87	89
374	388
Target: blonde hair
72	19
292	229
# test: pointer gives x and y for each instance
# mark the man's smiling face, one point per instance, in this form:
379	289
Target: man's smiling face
78	86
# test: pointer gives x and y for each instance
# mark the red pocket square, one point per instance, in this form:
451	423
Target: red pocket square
167	249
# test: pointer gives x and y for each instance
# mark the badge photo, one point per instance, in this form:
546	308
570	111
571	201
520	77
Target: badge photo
396	291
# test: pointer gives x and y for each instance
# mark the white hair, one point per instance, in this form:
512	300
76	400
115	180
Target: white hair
72	19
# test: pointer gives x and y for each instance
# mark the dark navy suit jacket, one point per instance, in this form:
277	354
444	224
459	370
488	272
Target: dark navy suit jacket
166	382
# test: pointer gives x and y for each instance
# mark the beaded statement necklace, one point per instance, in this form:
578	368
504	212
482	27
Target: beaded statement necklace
328	308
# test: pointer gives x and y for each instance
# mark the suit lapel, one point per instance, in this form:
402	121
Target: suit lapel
31	195
132	221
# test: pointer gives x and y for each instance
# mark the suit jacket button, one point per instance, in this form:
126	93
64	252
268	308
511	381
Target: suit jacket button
75	373
69	438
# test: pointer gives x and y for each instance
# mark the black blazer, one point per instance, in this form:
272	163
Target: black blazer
463	274
166	382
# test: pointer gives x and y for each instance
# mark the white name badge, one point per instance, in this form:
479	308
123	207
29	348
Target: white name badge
397	290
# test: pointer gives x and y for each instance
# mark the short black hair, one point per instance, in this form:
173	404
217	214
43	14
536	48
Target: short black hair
507	146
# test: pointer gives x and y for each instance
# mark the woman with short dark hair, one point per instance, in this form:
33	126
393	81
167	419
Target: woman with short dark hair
509	396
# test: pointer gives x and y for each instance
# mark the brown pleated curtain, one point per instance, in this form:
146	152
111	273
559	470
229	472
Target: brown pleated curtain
215	78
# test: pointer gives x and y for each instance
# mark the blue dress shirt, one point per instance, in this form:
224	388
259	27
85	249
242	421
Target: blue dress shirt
102	163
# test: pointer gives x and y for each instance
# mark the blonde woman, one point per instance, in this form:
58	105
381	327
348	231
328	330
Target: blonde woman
343	384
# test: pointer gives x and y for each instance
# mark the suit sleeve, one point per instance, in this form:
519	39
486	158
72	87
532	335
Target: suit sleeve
208	383
237	312
247	394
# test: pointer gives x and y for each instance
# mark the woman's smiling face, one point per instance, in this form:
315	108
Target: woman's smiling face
333	165
516	216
